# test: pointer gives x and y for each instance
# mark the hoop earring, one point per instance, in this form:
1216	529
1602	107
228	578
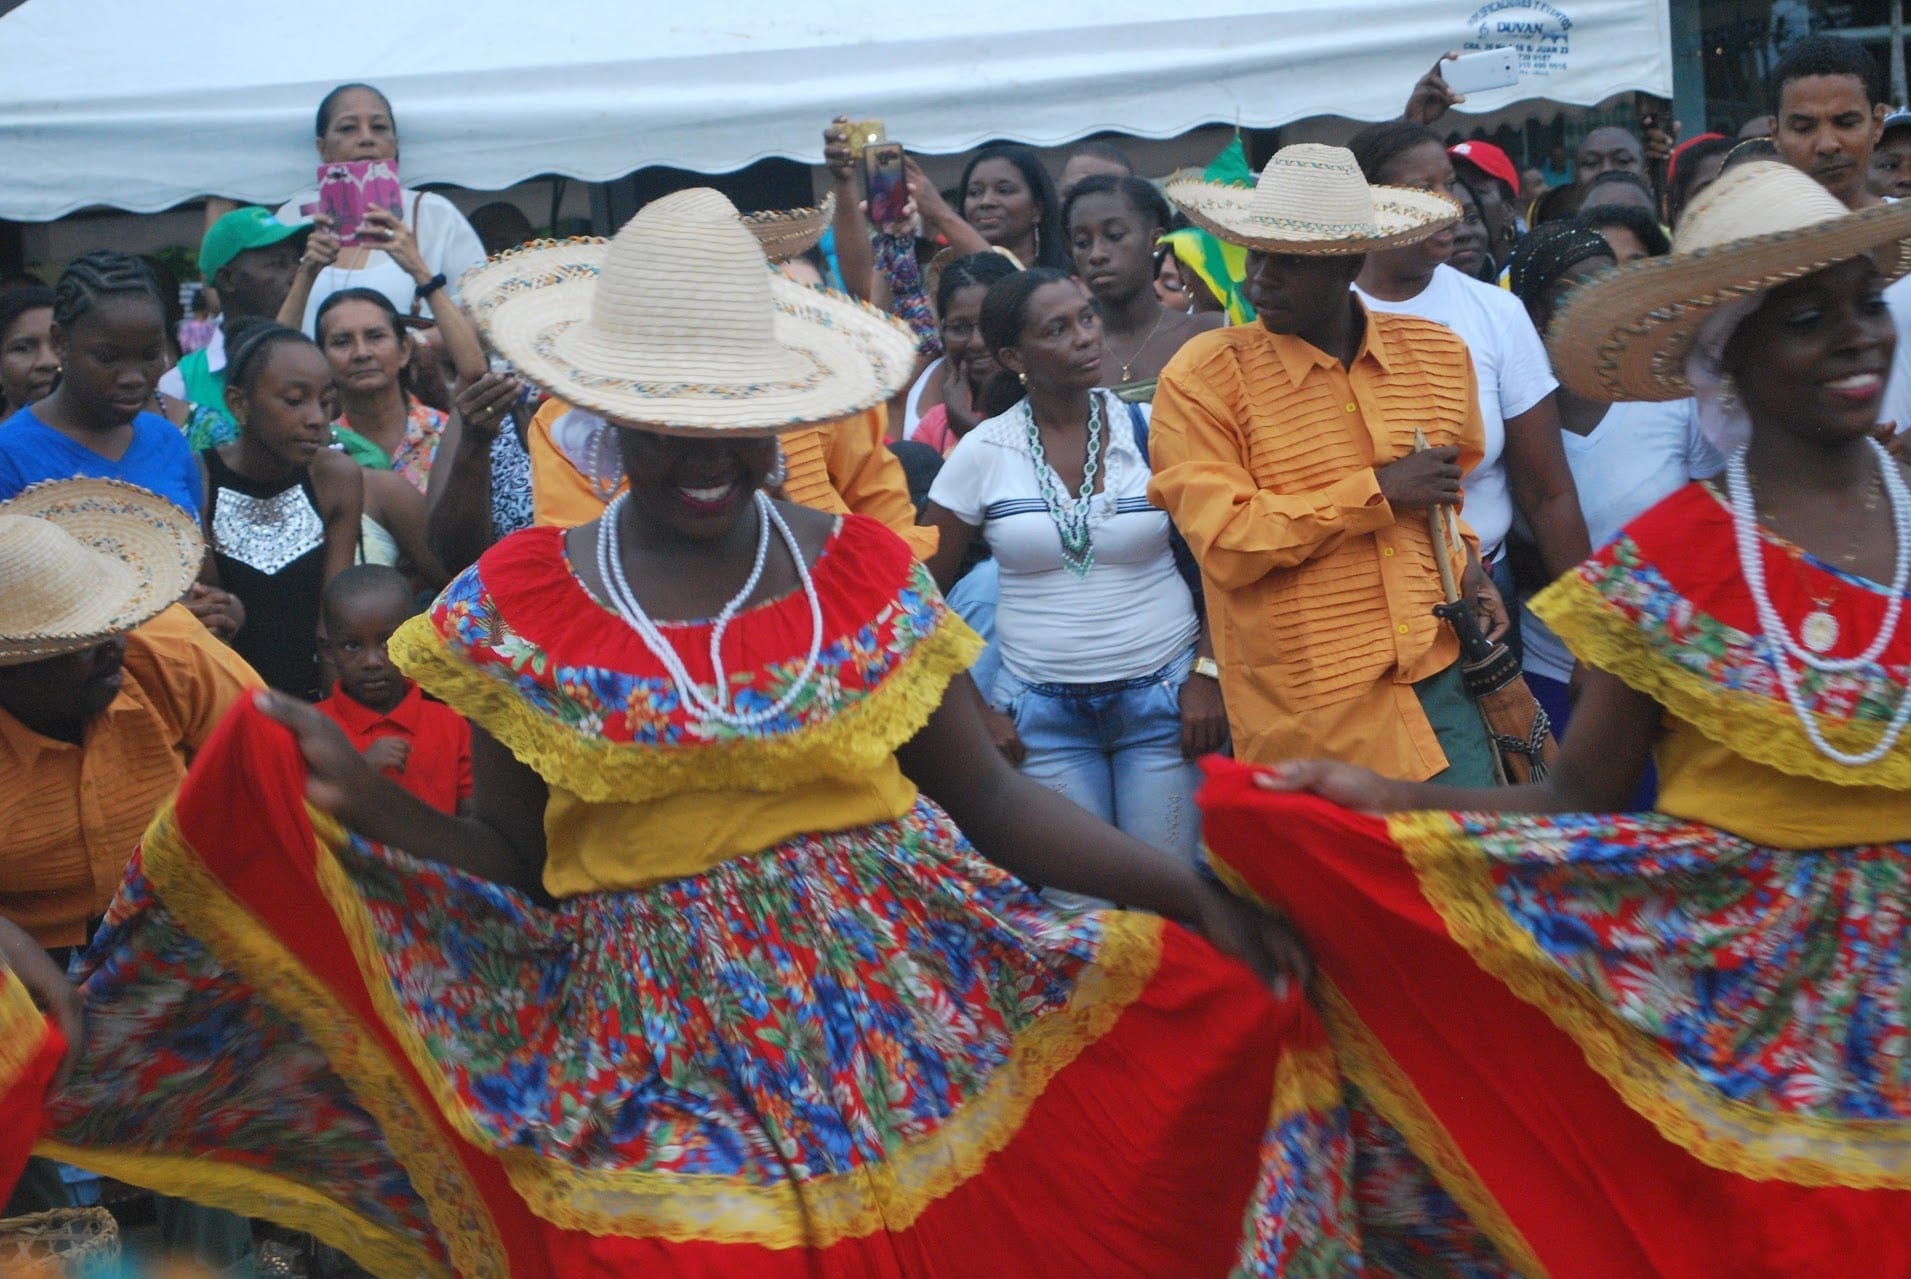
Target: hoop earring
778	473
605	475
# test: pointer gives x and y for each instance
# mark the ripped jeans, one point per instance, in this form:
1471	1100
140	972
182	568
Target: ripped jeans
1115	749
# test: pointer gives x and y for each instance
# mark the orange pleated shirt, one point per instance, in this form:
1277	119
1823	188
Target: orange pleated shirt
1319	594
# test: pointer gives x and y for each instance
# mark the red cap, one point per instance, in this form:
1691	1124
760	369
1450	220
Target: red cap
1489	160
1672	165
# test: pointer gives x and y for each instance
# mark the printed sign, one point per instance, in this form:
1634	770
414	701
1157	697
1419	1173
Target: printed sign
1542	34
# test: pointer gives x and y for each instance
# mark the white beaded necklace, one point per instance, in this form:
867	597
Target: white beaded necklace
700	706
1785	649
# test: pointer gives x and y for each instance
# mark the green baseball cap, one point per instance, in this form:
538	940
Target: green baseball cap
242	229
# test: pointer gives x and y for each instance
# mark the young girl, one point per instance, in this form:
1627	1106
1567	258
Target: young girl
109	332
282	509
382	425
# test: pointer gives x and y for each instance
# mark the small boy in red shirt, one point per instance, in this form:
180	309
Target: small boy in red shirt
422	745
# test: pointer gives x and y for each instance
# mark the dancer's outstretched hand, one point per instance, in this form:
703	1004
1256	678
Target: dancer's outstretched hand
57	997
336	774
1348	785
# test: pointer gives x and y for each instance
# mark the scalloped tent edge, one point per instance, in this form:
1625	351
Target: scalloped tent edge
188	99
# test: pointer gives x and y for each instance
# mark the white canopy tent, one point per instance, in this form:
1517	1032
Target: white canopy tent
143	104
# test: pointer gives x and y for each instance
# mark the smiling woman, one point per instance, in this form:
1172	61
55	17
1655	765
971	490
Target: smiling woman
1648	1026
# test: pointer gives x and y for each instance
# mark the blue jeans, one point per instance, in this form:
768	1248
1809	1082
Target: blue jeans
974	598
1115	750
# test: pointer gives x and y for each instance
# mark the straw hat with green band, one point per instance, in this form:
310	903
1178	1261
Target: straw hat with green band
1312	200
676	326
84	560
1627	334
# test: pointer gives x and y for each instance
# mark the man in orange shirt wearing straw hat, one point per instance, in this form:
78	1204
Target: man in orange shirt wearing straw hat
1287	453
107	690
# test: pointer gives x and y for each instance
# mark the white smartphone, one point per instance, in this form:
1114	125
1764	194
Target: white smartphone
1487	69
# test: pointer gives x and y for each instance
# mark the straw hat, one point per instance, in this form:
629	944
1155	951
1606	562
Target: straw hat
1312	199
790	233
676	326
84	560
1626	335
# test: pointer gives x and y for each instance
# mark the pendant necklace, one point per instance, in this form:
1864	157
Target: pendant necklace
1129	362
1783	650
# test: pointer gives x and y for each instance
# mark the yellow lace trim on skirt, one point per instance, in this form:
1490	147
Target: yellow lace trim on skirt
1373	1070
1363	1059
22	1028
816	1212
1306	1081
1760	729
1738	1137
245	945
251	1192
844	744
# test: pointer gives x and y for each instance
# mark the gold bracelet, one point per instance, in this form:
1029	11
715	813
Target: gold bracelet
1207	666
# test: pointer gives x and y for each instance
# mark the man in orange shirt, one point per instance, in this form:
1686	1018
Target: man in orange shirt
107	690
1285	451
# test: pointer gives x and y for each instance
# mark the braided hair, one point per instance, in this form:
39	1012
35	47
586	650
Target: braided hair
1547	253
93	277
255	340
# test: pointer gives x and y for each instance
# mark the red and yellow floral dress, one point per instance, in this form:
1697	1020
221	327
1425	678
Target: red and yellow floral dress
1654	1044
777	1018
30	1050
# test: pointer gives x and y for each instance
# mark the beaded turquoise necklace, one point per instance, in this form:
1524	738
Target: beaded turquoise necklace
1070	516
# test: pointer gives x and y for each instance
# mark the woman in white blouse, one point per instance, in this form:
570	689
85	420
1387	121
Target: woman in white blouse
1107	690
355	122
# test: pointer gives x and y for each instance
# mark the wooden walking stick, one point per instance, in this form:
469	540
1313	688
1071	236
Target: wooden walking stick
1523	746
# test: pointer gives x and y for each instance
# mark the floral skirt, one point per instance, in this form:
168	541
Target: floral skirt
1626	1045
867	1053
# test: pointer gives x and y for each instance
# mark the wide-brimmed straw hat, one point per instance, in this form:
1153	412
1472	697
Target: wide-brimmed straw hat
1626	335
1312	199
84	560
789	233
676	325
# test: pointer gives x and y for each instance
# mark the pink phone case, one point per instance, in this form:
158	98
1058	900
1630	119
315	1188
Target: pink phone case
348	189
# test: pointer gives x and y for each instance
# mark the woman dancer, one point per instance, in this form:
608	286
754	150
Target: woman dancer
1668	1044
704	986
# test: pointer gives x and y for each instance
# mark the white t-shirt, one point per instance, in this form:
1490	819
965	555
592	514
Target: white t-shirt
1638	455
445	240
1897	392
173	384
1514	374
1129	615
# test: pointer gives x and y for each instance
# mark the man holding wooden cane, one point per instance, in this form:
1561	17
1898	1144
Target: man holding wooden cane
1286	453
